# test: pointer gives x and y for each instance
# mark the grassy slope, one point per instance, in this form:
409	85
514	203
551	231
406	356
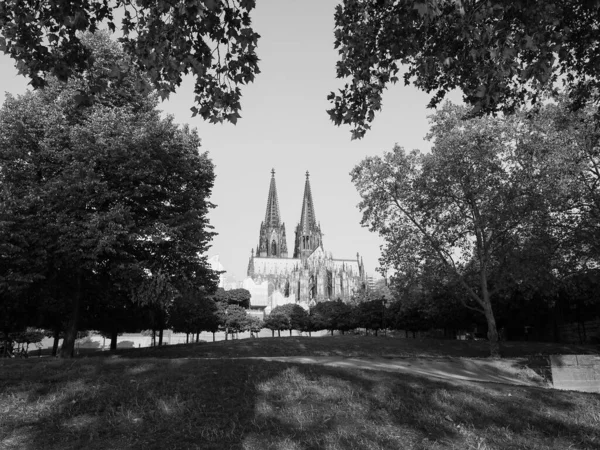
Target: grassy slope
119	402
350	345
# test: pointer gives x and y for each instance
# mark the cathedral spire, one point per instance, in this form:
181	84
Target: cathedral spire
272	240
307	218
308	233
272	217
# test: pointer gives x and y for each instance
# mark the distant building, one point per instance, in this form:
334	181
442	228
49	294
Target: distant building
370	282
216	265
308	277
227	281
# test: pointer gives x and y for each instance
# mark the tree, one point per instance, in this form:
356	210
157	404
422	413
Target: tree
212	40
207	320
370	315
255	324
232	318
105	189
277	320
240	297
502	54
287	317
468	204
332	315
192	312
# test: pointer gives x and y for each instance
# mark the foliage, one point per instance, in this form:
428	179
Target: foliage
255	324
370	314
231	318
332	315
290	316
240	297
501	54
110	197
193	312
468	209
211	40
277	320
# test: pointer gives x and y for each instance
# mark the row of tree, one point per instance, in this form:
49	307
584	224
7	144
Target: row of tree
502	210
103	205
330	315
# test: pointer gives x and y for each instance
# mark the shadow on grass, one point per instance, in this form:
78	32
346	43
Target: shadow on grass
355	346
98	403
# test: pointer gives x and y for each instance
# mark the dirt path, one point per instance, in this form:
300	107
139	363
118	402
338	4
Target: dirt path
504	371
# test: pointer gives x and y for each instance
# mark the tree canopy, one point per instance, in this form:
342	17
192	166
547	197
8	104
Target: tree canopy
108	194
484	207
209	39
501	54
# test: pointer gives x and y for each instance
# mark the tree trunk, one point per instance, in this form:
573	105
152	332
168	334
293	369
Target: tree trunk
278	333
113	340
272	333
68	347
226	333
160	337
332	332
290	332
197	337
187	338
491	323
56	339
375	332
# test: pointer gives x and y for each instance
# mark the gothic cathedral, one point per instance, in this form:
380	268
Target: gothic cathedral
311	275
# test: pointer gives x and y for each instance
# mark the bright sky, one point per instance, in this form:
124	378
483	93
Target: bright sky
285	126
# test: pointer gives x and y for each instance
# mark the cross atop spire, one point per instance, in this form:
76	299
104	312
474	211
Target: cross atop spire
272	218
307	174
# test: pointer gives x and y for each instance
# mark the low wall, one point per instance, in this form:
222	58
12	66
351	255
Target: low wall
576	372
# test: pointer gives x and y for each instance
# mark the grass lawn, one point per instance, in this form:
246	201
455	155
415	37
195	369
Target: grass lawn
356	346
116	402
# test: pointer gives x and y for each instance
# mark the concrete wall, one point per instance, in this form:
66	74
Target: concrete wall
576	372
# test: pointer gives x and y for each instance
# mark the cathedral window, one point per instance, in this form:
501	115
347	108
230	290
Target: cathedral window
286	291
273	248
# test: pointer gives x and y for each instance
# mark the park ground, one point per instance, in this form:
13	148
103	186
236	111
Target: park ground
220	396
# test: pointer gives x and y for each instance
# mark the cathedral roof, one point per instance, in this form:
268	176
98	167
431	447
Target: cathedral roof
308	221
272	217
266	266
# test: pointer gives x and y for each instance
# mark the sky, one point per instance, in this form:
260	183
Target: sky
285	126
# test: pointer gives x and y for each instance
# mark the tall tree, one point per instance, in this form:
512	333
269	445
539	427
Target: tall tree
500	53
103	189
468	204
209	39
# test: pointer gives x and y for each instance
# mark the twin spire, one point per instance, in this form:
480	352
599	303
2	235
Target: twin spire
272	240
272	218
308	220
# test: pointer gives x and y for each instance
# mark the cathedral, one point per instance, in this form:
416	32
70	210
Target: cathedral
310	275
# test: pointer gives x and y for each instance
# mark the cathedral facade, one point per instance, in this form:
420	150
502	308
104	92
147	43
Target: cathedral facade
310	275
